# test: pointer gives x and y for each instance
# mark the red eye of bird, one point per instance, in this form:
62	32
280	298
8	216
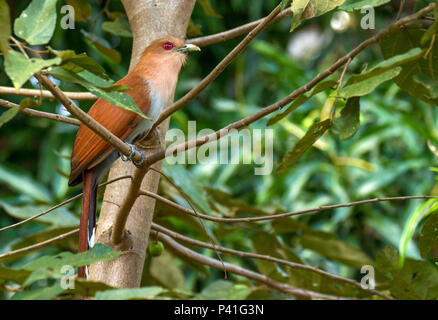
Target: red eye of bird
168	46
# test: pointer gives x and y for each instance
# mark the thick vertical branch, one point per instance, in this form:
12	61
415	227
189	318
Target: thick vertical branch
149	20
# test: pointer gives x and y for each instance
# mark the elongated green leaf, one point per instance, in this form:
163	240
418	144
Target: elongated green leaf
45	293
113	54
98	253
429	235
59	217
5	27
335	250
78	62
21	181
11	113
298	7
20	69
301	99
224	290
315	132
425	209
192	188
367	85
36	23
348	123
119	27
359	4
129	294
401	41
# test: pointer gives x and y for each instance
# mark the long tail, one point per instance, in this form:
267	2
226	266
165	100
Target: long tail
88	216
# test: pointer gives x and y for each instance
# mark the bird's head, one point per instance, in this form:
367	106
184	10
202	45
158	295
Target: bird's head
170	50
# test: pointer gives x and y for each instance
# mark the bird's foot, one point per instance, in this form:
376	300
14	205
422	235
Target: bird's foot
131	155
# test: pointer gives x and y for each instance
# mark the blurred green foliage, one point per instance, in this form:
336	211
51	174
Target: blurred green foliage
387	156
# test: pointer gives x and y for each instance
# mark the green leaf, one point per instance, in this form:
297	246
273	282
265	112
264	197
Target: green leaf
12	112
20	69
315	132
100	87
224	290
361	87
98	253
401	41
130	294
359	4
429	235
191	187
78	62
36	23
82	9
303	98
5	27
113	54
23	183
335	250
348	123
119	27
414	219
13	275
305	9
417	280
59	217
298	7
45	293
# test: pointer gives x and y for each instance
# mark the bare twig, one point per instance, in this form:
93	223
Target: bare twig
79	96
242	254
217	70
41	114
192	255
233	33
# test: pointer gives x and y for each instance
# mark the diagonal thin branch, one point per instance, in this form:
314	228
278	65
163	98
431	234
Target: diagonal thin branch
238	31
228	267
39	245
59	205
242	254
41	114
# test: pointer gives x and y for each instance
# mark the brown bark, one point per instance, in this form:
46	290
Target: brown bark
149	20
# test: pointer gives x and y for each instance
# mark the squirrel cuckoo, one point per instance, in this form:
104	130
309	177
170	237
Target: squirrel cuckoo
152	82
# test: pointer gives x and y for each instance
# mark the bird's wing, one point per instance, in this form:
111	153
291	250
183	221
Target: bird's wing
91	149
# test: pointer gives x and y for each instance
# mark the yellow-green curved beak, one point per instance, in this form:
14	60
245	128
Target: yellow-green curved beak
188	48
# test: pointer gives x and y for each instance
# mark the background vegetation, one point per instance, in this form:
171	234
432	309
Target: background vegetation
388	156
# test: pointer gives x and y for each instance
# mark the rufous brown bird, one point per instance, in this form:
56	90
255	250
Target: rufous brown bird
152	82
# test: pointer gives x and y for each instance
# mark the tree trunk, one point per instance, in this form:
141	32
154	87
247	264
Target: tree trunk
149	20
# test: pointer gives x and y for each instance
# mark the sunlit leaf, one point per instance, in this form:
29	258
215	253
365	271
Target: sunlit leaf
82	9
12	112
36	23
20	69
348	122
315	132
